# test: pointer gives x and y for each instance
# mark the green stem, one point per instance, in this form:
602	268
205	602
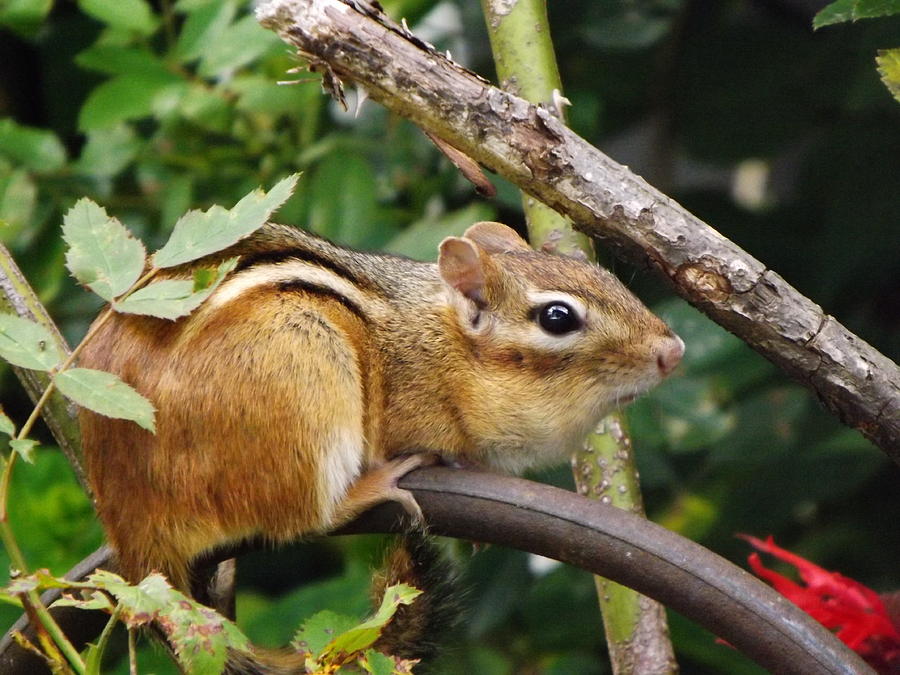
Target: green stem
604	468
16	557
55	632
107	631
132	652
95	327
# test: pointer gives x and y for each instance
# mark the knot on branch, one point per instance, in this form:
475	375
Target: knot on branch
704	281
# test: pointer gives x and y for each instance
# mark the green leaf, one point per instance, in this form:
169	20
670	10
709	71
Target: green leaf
121	60
108	151
38	149
24	447
199	233
239	44
203	27
93	658
38	580
365	634
319	630
124	97
18	198
94	601
343	195
6	425
257	94
888	61
377	663
193	5
140	603
199	636
27	344
421	239
842	11
102	254
24	16
206	107
172	298
132	15
106	394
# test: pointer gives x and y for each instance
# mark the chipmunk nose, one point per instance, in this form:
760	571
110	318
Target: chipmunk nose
668	354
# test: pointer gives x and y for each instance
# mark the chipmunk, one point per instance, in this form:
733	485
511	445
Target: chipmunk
316	376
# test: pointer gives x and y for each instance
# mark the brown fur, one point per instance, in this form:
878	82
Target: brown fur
360	354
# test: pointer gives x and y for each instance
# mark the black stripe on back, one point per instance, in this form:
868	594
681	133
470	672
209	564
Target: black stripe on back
302	255
318	289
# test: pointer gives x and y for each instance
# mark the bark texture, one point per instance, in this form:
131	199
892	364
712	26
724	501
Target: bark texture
354	42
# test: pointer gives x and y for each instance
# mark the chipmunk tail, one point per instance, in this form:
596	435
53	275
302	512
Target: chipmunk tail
416	631
419	630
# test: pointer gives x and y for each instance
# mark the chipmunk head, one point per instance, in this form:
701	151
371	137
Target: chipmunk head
553	344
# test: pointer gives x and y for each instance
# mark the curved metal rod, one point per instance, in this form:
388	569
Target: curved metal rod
616	544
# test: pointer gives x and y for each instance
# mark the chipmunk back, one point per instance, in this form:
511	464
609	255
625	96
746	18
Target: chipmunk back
316	376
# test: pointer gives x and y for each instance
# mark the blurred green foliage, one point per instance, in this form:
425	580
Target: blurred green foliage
781	138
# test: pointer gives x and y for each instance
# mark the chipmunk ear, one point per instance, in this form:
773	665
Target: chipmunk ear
461	267
496	237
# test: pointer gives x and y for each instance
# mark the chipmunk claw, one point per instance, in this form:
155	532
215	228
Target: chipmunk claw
379	484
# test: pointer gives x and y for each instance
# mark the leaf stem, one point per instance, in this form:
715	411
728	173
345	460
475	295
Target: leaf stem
95	327
107	632
54	631
132	653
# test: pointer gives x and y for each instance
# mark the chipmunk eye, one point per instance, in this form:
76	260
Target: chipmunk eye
558	318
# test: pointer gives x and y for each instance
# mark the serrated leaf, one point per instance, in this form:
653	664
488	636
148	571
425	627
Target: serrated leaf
135	15
94	601
842	11
199	233
140	603
319	630
106	394
888	61
39	579
38	149
102	255
365	634
24	447
27	344
6	425
172	298
200	638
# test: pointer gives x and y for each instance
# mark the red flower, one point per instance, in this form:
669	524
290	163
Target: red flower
855	612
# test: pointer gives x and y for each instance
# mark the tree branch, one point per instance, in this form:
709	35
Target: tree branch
354	41
17	297
596	537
